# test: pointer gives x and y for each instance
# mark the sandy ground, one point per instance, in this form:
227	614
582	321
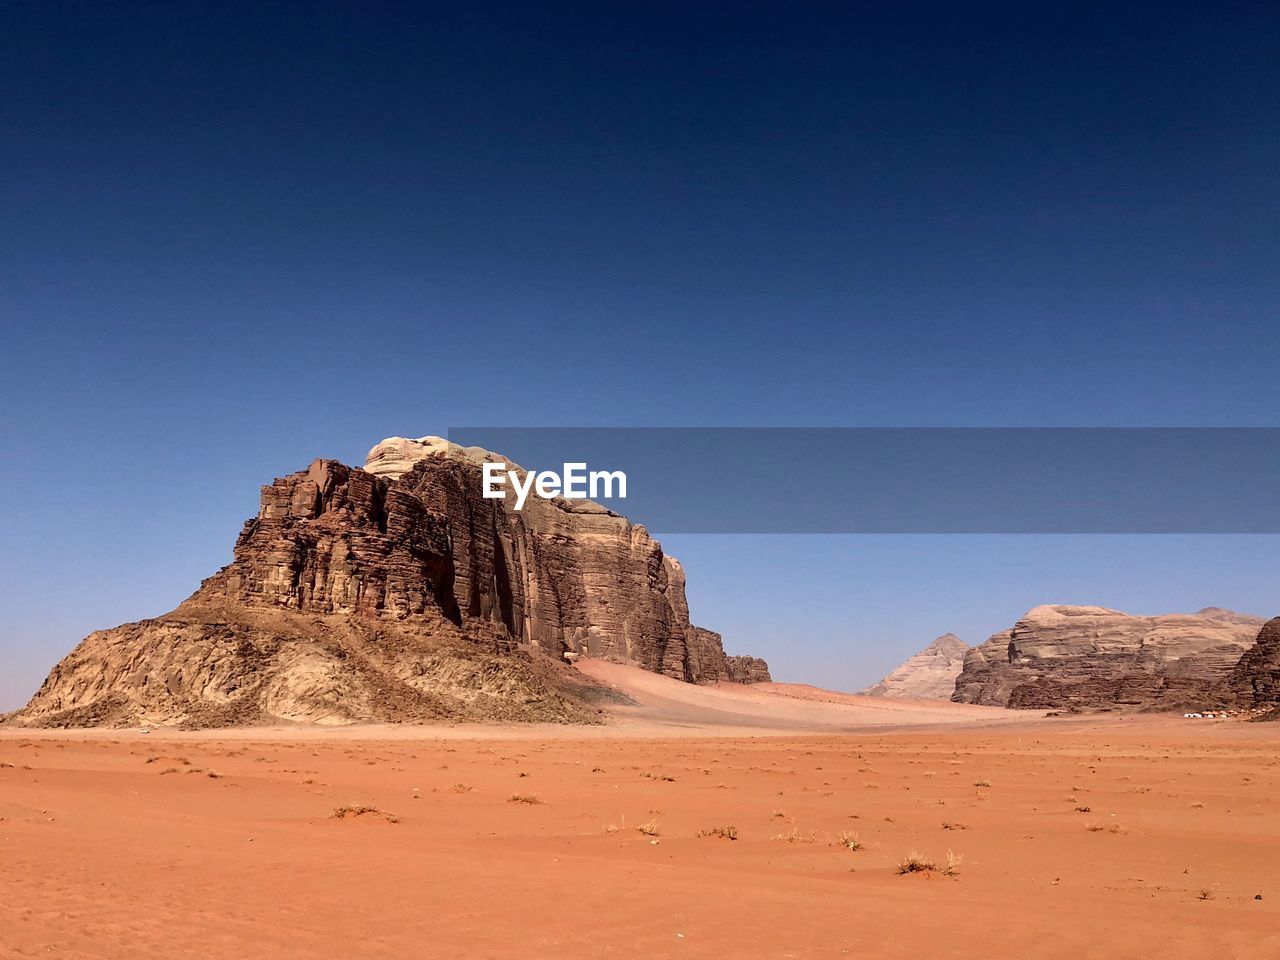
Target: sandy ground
1081	839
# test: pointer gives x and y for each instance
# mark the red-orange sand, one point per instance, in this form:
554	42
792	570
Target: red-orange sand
1077	839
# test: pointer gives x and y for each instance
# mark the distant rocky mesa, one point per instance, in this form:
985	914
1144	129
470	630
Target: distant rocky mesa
393	593
929	675
1092	658
1089	658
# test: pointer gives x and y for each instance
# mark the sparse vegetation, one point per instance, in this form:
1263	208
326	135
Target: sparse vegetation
649	829
530	798
951	825
982	783
849	840
918	863
727	833
352	811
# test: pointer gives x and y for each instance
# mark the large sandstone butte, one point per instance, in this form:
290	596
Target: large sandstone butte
1092	658
929	675
1256	678
397	593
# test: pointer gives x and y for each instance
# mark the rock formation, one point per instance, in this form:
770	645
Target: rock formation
396	593
1256	678
1091	658
929	675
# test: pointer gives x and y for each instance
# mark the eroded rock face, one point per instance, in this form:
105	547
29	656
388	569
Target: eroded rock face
398	593
565	576
1094	658
332	539
929	675
1256	678
708	661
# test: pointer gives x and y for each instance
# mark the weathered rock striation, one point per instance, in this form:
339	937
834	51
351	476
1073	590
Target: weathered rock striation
1255	682
397	593
1092	658
929	675
565	576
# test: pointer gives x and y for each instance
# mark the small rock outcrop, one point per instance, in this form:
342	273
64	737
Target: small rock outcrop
1093	658
1255	682
398	593
929	675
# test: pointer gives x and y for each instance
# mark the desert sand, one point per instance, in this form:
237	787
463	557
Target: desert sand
1074	838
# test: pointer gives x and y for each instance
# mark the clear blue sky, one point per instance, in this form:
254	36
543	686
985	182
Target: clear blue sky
239	236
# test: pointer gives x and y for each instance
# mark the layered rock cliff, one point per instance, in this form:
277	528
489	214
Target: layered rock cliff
1255	682
395	593
929	675
1092	658
565	576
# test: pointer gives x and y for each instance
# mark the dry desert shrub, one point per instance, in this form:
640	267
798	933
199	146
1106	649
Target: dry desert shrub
849	840
649	829
727	833
530	798
918	863
353	810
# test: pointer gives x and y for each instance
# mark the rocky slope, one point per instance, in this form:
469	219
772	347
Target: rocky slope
1255	682
929	675
1092	658
398	593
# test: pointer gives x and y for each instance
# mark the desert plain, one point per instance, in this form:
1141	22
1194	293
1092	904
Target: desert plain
771	821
